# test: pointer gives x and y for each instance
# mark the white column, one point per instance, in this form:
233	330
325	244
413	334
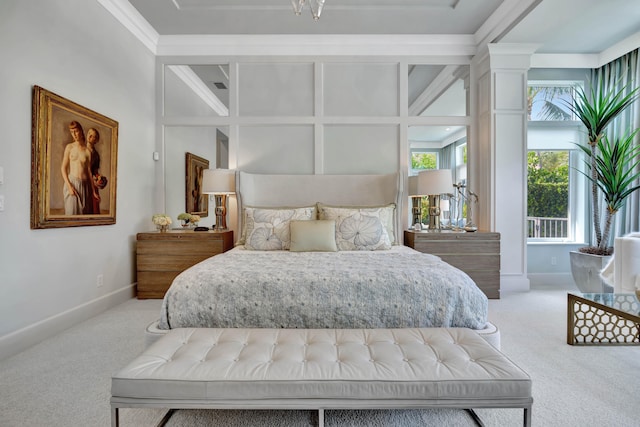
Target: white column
499	152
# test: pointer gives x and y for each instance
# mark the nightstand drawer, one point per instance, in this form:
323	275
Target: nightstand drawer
474	262
477	254
152	248
458	247
160	257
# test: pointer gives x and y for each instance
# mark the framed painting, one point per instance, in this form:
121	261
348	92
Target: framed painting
73	164
196	203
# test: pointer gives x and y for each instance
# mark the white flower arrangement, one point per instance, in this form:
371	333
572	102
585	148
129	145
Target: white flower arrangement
194	219
161	219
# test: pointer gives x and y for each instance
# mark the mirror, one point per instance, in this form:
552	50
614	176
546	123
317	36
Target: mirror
205	145
438	90
193	91
196	90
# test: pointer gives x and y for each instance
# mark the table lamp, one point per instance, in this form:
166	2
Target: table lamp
416	204
433	183
220	183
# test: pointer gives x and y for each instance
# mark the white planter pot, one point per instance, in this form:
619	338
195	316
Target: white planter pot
585	269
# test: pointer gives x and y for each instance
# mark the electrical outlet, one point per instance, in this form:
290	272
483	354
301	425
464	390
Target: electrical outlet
99	280
554	260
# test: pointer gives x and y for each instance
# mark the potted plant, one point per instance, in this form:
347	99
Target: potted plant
611	163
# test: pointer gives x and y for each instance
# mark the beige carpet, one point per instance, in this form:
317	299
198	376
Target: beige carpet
65	380
357	418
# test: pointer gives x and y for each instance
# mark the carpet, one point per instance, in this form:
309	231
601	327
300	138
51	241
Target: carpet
300	418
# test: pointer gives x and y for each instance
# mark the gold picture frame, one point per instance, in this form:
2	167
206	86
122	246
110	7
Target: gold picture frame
73	164
196	203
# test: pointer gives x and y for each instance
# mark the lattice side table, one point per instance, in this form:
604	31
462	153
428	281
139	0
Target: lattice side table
603	319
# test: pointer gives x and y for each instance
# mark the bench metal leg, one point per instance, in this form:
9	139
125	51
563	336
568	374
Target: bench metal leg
475	417
527	417
166	418
115	417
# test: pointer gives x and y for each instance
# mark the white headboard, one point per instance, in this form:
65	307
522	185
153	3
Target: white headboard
261	190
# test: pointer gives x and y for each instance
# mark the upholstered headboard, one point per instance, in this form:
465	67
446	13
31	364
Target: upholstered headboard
260	190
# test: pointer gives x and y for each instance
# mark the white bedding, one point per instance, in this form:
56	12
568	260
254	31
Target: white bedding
347	289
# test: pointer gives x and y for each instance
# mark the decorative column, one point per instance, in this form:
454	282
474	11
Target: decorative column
499	152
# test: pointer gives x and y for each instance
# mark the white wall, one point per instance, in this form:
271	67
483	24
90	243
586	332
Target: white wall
76	49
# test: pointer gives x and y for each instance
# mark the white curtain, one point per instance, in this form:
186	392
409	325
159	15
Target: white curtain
624	71
448	157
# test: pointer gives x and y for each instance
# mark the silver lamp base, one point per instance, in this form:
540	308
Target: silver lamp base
221	212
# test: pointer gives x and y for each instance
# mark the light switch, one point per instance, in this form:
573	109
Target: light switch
1	202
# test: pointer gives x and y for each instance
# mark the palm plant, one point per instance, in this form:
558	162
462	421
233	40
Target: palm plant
550	109
608	161
616	164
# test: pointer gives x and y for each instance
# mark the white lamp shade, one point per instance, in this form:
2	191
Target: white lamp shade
413	186
218	181
434	182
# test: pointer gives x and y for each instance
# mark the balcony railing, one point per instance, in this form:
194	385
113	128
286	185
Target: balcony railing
547	228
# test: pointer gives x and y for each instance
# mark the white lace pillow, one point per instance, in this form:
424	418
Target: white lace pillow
268	229
386	213
359	229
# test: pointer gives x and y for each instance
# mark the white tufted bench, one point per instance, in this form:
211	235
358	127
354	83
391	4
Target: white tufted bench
321	369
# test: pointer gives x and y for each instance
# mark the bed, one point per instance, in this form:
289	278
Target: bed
278	277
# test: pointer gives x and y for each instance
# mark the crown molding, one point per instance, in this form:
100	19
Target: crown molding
131	19
563	60
619	49
443	45
318	45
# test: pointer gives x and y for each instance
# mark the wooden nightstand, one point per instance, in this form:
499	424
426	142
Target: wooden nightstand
477	254
161	257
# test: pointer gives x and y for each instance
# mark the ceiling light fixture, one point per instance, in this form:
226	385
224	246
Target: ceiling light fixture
314	5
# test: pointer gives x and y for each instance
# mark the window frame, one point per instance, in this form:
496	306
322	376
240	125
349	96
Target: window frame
577	203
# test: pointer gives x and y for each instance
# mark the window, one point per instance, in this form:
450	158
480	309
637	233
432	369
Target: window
547	101
423	160
556	189
548	194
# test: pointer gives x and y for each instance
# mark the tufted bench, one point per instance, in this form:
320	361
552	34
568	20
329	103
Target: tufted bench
321	369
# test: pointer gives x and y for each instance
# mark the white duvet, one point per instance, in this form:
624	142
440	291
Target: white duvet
348	289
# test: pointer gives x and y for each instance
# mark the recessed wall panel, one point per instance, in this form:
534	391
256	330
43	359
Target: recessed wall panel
360	149
505	97
277	149
362	89
275	89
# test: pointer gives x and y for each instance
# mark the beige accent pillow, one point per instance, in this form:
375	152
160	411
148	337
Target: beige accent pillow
386	214
267	229
313	236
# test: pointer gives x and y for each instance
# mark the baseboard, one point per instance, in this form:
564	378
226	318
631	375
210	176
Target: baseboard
20	340
514	283
552	280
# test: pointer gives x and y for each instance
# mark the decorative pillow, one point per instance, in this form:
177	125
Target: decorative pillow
268	229
313	236
386	214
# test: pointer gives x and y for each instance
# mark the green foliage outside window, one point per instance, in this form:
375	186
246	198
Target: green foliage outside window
548	184
423	161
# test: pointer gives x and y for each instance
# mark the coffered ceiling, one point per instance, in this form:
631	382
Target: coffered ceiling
557	26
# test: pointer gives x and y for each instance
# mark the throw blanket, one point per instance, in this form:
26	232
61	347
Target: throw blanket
397	288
